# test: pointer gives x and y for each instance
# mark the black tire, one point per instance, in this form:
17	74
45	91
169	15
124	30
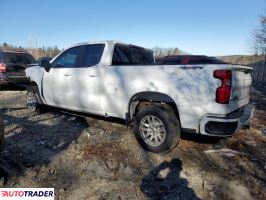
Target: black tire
38	107
2	136
170	123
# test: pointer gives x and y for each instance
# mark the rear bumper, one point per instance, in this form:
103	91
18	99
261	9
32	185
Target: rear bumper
226	125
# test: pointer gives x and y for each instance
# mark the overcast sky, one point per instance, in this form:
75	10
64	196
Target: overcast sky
211	27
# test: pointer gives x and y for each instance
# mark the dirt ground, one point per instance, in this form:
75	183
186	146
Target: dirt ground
89	158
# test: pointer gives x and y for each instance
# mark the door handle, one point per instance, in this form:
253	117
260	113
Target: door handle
67	74
92	74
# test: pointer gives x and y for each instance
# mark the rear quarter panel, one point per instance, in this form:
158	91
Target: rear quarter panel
191	87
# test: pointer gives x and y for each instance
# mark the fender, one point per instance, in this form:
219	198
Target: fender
33	87
35	76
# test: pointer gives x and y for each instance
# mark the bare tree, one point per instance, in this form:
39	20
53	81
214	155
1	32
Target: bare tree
262	36
160	52
259	38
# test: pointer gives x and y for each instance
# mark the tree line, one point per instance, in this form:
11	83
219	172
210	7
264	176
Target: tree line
159	52
36	52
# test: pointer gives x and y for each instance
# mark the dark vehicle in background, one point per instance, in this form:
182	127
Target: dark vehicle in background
39	61
2	137
189	59
12	67
44	58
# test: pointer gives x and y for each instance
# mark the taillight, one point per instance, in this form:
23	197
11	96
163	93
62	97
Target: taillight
223	92
2	67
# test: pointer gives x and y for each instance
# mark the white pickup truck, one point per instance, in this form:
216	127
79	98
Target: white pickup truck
115	79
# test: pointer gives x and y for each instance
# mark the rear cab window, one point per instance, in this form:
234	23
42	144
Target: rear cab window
131	55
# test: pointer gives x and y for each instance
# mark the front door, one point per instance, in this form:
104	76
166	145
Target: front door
58	83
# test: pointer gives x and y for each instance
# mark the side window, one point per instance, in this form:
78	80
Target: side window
93	55
70	58
127	55
120	56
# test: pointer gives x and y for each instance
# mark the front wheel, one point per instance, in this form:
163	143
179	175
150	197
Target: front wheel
157	129
33	102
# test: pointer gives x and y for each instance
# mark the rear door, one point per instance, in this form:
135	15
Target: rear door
85	80
241	85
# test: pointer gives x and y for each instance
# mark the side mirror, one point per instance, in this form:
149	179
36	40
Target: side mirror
45	64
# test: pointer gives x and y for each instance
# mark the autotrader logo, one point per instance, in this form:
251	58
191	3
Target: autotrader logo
27	193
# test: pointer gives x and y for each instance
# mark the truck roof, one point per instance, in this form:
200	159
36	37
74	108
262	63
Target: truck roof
111	42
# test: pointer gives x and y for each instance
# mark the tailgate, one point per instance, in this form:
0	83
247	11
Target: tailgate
241	85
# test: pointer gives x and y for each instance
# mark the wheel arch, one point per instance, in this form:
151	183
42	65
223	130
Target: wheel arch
33	86
150	98
33	83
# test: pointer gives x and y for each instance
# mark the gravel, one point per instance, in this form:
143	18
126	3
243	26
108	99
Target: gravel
89	158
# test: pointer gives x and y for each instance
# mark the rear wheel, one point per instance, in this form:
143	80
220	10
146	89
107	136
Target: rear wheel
157	129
